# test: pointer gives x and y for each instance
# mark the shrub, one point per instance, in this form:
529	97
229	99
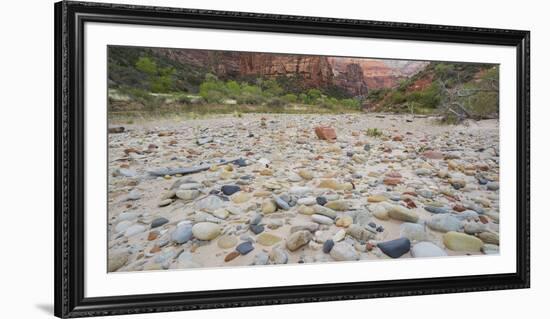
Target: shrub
290	98
276	102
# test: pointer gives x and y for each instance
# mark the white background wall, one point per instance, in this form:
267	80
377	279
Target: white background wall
26	157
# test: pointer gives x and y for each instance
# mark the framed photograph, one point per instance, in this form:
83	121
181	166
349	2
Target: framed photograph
212	159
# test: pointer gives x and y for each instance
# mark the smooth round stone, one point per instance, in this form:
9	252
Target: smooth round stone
401	213
309	226
182	233
128	216
267	239
305	174
380	212
123	225
321	210
376	198
188	194
209	203
298	239
227	241
427	249
444	223
282	204
134	230
308	201
343	251
340	235
293	177
206	230
306	210
395	248
221	213
241	197
321	200
324	220
278	256
492	186
230	189
268	206
344	221
261	259
462	242
467	214
157	222
125	172
414	232
422	171
116	260
244	248
338	205
256	229
327	246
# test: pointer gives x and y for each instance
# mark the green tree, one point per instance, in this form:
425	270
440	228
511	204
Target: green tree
146	65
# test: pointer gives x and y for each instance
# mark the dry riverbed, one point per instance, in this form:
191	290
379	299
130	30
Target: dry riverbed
264	189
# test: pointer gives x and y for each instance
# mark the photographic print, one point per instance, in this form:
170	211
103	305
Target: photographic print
230	159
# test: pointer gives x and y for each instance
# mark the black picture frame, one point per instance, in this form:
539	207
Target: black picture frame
70	18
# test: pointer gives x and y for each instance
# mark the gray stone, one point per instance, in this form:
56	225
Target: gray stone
342	251
414	232
322	219
298	239
157	222
395	248
278	256
427	249
244	248
444	223
327	246
281	203
182	233
209	203
134	230
261	259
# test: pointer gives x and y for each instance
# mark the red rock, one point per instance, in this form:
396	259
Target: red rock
370	246
152	235
325	133
410	203
232	255
397	138
459	208
410	193
392	181
131	150
433	155
484	219
155	249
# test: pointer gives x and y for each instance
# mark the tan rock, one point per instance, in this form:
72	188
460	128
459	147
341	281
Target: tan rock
267	239
462	242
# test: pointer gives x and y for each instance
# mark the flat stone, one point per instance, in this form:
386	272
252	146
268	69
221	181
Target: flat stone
427	249
436	210
245	247
321	200
489	238
256	229
157	222
307	201
298	239
116	260
227	241
123	225
401	213
134	230
395	248
376	198
206	230
305	174
344	221
359	232
380	212
321	210
261	259
267	239
232	255
462	242
230	189
281	203
209	203
322	219
306	210
241	197
221	213
311	227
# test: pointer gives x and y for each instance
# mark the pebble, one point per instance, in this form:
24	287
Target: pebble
256	229
324	220
268	239
376	198
281	203
206	230
244	248
462	242
489	238
232	255
327	246
230	189
403	214
133	195
344	221
395	248
221	213
492	186
444	223
268	206
134	230
123	225
261	259
116	260
157	222
340	235
380	212
311	227
306	210
490	249
308	201
227	241
321	200
342	251
338	205
182	233
436	210
165	202
321	210
359	233
298	239
241	197
305	174
209	203
413	232
427	249
278	256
